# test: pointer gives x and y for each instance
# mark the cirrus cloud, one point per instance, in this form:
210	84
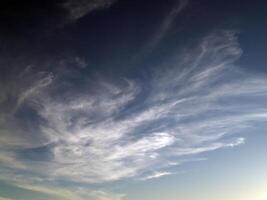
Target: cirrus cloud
98	130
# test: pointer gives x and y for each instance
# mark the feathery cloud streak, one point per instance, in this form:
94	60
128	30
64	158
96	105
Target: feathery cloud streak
98	130
80	8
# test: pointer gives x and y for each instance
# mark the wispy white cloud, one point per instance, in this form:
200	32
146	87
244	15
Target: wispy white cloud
164	27
77	193
105	130
79	8
58	193
211	147
167	23
102	195
9	159
157	174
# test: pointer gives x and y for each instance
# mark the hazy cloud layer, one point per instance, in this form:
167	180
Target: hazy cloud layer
63	193
3	198
96	129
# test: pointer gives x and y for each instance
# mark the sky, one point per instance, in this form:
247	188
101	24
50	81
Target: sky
133	99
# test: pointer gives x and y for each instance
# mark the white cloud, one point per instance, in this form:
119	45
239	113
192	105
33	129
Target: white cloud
79	8
210	147
167	23
102	195
77	193
164	27
157	174
63	194
9	159
109	130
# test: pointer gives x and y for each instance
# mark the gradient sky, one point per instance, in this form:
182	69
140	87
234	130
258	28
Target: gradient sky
133	99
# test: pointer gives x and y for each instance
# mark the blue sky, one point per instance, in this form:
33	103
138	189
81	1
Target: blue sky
125	100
